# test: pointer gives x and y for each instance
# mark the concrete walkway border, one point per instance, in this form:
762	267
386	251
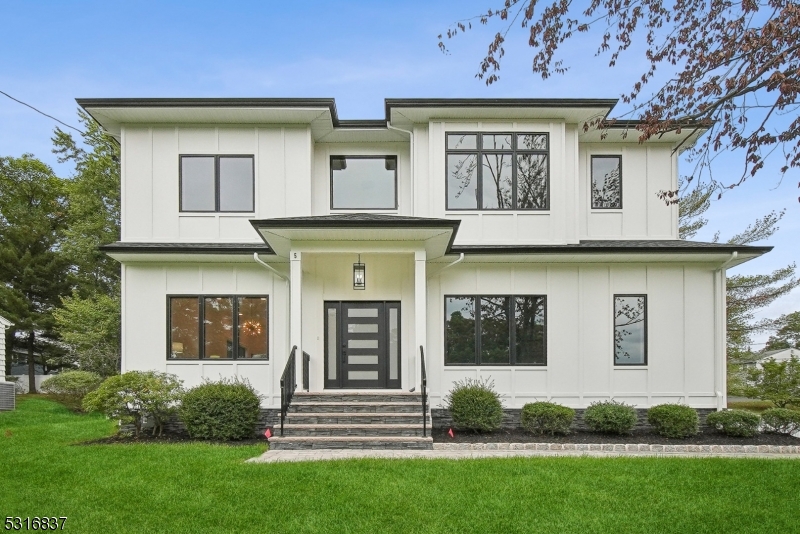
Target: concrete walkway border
465	451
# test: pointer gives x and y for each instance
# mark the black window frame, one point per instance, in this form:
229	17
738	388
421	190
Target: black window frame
614	328
201	322
512	356
216	157
591	181
479	151
347	156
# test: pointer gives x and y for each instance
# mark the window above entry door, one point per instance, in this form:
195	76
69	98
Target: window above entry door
363	182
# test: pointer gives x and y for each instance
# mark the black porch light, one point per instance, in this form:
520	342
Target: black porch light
359	275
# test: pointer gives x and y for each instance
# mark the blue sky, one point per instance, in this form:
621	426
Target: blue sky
356	52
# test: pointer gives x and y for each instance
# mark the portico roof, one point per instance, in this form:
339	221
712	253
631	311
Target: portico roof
435	235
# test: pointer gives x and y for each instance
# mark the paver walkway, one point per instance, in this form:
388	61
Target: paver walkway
539	450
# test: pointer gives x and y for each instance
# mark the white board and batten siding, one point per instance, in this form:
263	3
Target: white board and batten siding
4	324
145	320
580	348
7	389
150	187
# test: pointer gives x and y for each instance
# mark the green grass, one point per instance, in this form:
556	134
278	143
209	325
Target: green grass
755	405
207	488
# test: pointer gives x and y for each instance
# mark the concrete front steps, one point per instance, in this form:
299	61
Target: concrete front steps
368	420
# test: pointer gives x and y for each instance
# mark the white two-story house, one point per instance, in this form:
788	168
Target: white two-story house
499	237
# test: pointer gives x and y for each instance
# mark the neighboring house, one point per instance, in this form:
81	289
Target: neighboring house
498	235
4	324
779	355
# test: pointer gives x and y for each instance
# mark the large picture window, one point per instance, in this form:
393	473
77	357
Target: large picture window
496	330
606	182
363	182
217	183
630	330
209	327
498	171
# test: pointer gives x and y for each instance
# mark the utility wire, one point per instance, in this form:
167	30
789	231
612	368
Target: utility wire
43	113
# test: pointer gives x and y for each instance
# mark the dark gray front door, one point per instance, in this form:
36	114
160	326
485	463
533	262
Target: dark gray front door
362	345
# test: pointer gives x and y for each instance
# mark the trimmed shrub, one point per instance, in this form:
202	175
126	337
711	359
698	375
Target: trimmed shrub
610	417
674	420
546	418
70	387
734	423
475	405
224	410
781	421
133	395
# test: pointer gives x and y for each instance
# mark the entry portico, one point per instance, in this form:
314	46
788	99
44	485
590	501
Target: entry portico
329	319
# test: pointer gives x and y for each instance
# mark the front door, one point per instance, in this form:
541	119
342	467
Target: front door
362	345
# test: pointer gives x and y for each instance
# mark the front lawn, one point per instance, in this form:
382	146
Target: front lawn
192	487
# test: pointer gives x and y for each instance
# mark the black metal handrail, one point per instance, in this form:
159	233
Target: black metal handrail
306	365
288	385
424	393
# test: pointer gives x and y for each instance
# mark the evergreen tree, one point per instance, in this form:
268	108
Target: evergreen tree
34	274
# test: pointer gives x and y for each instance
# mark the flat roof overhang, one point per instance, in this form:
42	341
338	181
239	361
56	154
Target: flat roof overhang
434	235
128	252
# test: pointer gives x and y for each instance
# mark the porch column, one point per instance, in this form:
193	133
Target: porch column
296	311
420	315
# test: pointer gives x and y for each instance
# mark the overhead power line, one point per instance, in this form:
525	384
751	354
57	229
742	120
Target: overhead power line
42	113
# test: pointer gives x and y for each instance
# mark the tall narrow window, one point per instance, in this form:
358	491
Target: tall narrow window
630	330
497	171
364	182
606	182
217	183
529	326
184	318
218	327
252	327
459	329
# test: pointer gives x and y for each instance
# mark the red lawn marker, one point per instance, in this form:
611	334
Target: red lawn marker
268	433
450	432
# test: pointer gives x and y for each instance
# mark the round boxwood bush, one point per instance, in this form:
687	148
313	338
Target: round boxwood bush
781	421
70	387
610	417
475	405
546	418
674	420
225	410
734	422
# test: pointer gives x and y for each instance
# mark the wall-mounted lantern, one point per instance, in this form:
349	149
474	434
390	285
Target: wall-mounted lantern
359	275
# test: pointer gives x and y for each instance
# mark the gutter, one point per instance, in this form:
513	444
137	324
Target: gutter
722	334
459	260
270	267
411	150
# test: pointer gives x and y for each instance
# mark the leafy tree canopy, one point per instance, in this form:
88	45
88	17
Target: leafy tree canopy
731	67
787	335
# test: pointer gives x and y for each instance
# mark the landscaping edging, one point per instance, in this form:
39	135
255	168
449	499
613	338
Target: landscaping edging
620	448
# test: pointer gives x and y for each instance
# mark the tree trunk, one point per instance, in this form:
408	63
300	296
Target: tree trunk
31	364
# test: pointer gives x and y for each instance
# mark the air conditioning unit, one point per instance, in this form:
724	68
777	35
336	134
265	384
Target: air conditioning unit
7	396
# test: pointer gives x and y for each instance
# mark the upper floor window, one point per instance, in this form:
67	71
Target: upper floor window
630	329
495	330
606	182
217	183
363	182
498	171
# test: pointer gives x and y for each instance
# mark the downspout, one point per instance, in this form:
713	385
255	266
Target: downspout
721	360
459	260
411	149
270	267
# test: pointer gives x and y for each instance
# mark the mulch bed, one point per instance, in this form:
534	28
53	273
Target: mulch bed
146	437
641	436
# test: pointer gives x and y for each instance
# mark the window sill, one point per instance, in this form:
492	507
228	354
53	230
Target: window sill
248	214
605	210
632	366
499	366
188	361
497	212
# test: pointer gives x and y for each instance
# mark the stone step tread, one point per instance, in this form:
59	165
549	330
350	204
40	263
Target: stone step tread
353	403
354	414
290	426
287	439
